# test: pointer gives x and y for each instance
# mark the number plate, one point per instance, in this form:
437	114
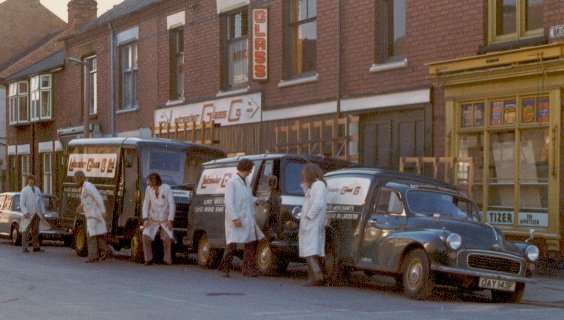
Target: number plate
497	284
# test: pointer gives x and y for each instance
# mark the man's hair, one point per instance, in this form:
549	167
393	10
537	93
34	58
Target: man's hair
79	174
245	165
155	178
30	176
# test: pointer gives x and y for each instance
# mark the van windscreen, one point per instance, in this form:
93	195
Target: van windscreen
168	164
292	178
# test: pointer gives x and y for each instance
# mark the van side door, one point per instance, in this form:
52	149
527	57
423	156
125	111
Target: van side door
387	217
130	191
263	191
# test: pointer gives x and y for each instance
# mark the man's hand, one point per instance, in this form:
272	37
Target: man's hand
237	223
104	215
169	224
261	202
79	209
27	215
146	223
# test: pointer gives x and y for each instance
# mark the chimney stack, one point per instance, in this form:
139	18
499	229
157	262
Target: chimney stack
81	12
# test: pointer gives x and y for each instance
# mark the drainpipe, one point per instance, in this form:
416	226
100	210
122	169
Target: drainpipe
112	83
339	45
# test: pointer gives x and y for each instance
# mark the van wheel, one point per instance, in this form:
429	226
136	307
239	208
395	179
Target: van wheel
16	236
207	257
268	262
136	254
80	241
509	297
416	280
334	271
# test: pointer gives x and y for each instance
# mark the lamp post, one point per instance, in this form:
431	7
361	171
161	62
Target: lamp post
86	94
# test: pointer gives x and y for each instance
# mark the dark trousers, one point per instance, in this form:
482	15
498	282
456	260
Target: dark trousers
33	229
98	247
249	258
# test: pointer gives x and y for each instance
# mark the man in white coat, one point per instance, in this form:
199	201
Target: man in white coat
31	205
92	207
158	215
240	223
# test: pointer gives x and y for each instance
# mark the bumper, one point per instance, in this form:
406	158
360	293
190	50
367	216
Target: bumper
484	274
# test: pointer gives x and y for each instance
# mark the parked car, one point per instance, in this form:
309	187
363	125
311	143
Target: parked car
420	231
206	218
52	226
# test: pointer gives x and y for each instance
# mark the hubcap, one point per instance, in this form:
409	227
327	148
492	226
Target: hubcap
414	274
264	255
14	235
204	250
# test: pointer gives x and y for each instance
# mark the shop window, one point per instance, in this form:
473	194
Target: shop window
510	149
391	30
176	61
128	85
301	37
515	19
235	38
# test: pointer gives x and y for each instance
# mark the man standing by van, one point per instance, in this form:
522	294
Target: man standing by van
92	207
31	205
158	214
240	223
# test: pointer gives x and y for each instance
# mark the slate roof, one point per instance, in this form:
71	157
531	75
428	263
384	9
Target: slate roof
49	63
127	7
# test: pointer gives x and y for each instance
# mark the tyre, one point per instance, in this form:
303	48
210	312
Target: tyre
16	236
268	262
509	297
136	254
81	241
416	277
207	257
334	271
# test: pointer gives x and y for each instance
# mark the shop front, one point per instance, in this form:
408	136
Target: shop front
505	111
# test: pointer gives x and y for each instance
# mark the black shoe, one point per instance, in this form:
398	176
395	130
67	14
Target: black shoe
38	250
25	250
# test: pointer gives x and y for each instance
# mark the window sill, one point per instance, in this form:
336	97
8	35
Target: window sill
379	67
232	92
298	81
128	110
171	103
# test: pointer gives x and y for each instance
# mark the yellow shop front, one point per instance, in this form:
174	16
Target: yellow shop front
504	110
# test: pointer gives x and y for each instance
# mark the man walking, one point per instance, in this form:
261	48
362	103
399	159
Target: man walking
92	207
240	224
31	204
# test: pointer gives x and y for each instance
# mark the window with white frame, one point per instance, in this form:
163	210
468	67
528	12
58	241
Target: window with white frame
47	163
391	30
92	88
176	59
235	37
128	54
41	98
24	167
18	97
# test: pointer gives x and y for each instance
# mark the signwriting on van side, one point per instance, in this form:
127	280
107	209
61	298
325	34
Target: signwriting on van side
96	165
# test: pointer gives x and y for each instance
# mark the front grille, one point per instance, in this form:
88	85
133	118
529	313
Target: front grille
492	263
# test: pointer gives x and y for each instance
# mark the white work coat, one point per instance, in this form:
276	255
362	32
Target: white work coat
93	208
158	210
312	222
240	204
30	202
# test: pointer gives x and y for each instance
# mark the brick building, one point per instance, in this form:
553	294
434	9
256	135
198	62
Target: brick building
25	25
367	80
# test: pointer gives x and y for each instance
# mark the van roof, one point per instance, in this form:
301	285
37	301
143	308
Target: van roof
404	176
311	158
133	141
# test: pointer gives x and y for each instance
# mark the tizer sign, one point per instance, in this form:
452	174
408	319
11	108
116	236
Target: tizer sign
260	44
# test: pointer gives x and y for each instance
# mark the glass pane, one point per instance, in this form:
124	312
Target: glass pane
506	17
34	83
23	109
45	82
472	115
533	14
472	145
399	29
22	87
13	109
46	104
501	173
533	169
237	60
305	50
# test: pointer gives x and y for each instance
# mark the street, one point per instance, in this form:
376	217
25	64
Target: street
56	284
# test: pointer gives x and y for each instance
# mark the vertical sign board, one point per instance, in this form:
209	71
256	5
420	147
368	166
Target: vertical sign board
260	44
